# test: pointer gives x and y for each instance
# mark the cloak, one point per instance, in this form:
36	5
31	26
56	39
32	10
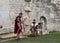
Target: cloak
16	27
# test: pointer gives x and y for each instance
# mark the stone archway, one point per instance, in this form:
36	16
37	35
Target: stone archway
44	22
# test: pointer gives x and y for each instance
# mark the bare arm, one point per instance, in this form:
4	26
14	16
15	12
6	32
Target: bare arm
18	23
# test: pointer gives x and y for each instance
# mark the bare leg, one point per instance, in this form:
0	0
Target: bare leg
17	36
36	33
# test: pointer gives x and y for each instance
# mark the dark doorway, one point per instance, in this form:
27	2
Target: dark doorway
44	21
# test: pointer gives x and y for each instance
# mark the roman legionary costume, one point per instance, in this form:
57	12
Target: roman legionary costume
18	29
34	28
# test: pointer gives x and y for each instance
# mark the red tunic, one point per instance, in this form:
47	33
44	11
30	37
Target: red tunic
16	27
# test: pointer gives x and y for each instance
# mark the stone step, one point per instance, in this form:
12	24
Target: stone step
7	35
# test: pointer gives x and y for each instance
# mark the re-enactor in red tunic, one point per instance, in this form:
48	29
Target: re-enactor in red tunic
18	26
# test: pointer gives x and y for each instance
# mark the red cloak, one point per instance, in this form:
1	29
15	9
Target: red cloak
16	27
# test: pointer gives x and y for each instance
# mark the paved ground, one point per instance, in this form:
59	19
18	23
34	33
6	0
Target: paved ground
7	35
4	36
12	35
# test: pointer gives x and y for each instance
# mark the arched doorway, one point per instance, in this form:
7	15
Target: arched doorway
44	22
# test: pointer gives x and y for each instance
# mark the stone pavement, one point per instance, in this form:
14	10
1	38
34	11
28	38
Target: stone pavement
7	35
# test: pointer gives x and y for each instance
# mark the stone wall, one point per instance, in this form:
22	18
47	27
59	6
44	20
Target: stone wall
5	21
9	9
